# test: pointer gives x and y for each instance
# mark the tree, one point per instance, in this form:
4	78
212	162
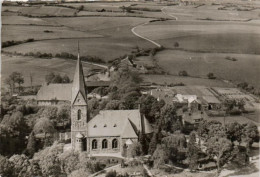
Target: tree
31	145
234	131
21	166
250	133
43	125
14	78
66	79
168	117
192	152
49	162
69	161
63	114
113	105
135	149
160	156
183	73
211	76
153	143
11	85
176	45
150	107
6	167
219	147
17	129
49	77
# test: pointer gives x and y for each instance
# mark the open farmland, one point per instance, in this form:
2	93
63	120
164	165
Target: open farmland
117	38
217	11
39	68
245	69
170	79
205	36
23	32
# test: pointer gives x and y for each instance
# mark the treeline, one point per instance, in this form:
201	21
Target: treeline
12	42
63	55
249	88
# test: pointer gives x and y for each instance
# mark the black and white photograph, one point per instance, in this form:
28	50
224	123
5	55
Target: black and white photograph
130	88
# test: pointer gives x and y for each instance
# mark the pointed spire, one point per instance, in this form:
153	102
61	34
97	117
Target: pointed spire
78	81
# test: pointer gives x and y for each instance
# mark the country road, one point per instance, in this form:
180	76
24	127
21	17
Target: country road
146	23
162	9
138	35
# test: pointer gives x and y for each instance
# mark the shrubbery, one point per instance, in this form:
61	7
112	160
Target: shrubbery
11	43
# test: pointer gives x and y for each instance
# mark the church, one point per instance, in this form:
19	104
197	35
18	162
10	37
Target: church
110	131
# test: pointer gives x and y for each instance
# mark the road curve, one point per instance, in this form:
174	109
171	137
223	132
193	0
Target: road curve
138	35
146	23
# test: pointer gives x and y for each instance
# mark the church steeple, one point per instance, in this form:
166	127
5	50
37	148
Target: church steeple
78	86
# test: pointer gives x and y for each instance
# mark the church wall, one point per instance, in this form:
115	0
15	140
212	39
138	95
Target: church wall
99	149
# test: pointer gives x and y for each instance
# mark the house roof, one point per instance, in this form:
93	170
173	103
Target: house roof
116	123
55	91
210	99
62	92
128	131
98	83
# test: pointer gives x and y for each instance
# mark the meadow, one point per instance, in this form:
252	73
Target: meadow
38	68
104	37
245	69
205	36
216	11
23	32
189	81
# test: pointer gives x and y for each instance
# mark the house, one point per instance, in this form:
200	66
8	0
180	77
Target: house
54	94
110	131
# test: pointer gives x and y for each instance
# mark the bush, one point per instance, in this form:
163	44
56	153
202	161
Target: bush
183	73
111	174
211	76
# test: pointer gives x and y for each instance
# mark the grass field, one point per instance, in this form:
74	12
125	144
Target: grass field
245	69
117	39
23	32
233	37
39	68
209	11
170	79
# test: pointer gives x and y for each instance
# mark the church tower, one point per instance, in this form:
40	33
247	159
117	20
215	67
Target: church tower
79	109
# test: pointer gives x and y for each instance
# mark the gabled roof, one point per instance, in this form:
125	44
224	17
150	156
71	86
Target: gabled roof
61	92
116	123
128	131
78	82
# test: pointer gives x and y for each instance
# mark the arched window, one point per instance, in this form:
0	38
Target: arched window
114	143
94	144
104	144
79	114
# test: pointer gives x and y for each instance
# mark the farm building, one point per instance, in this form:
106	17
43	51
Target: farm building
53	94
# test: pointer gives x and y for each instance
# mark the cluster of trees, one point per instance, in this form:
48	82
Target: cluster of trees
51	161
249	88
218	140
56	78
13	79
11	43
66	55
